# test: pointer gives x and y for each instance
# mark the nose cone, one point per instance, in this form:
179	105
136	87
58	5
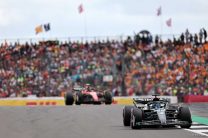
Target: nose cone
94	95
161	116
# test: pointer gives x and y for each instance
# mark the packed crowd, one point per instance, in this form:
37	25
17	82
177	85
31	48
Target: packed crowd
138	67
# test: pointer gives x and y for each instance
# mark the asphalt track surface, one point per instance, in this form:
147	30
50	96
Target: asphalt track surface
199	109
85	121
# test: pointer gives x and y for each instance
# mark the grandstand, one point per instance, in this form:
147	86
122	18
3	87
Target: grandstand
126	65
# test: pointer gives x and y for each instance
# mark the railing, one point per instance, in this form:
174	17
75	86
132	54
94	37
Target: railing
78	38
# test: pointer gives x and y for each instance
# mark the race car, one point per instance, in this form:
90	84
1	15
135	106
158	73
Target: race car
156	112
88	95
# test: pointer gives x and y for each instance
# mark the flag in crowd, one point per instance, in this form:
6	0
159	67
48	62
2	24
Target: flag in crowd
159	11
41	28
169	22
80	9
47	27
38	29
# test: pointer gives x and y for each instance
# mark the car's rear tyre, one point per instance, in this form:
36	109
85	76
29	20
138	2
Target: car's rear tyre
127	115
136	117
69	99
108	98
78	97
185	115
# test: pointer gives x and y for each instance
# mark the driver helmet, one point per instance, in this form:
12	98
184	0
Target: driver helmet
156	99
87	87
156	105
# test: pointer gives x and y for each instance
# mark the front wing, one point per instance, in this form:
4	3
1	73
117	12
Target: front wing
158	123
92	101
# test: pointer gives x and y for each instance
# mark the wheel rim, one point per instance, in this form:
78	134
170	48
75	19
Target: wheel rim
132	120
77	98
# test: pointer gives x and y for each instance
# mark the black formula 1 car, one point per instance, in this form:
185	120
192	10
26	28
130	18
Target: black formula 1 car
156	112
88	96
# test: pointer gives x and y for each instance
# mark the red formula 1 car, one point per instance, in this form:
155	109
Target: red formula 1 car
88	95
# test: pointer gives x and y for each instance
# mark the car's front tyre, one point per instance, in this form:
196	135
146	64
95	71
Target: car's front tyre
69	99
127	115
108	98
185	115
136	117
78	98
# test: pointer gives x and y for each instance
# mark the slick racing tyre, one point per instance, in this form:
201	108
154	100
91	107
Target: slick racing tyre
78	98
136	117
108	98
69	99
185	115
127	115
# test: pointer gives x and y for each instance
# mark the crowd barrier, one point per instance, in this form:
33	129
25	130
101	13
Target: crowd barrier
59	101
195	98
33	101
129	100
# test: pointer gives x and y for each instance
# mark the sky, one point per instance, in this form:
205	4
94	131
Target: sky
18	18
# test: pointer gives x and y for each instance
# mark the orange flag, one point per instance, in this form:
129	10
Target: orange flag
38	29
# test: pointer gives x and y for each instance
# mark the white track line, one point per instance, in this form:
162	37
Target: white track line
197	126
195	123
202	126
200	132
203	131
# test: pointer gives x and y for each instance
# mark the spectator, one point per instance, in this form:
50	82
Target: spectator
52	68
205	35
200	36
187	35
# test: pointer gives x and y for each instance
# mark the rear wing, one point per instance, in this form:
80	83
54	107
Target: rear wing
141	101
165	99
77	88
